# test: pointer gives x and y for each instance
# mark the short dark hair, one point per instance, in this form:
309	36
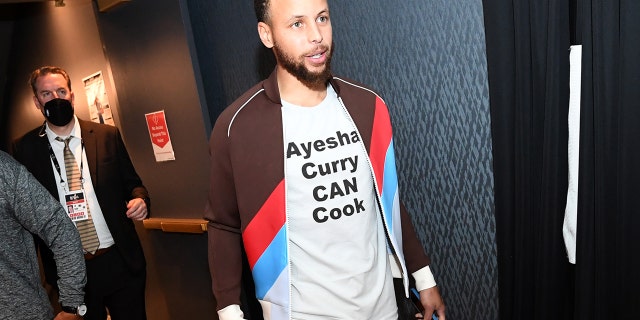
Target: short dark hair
262	10
43	71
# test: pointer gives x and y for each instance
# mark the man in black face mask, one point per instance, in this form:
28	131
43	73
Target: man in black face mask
87	167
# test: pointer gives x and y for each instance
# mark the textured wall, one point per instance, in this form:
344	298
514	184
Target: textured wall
427	60
229	52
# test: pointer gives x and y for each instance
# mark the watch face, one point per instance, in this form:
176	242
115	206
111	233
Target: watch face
82	310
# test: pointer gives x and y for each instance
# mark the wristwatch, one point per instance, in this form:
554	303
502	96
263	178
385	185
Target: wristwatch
80	310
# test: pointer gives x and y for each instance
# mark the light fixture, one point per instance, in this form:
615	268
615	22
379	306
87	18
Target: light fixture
60	3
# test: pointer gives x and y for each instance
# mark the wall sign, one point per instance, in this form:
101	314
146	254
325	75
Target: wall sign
159	134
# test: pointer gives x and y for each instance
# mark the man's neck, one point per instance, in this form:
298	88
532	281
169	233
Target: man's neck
295	92
64	130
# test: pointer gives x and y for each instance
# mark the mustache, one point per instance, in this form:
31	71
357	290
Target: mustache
319	48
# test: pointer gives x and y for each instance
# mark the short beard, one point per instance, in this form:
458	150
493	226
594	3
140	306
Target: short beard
313	80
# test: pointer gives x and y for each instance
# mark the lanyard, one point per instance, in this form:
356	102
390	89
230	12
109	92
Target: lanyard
57	165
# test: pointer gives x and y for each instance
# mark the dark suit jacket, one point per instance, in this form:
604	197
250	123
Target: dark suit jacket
114	178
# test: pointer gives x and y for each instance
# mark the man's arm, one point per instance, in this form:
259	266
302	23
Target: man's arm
418	263
414	254
225	240
432	303
42	215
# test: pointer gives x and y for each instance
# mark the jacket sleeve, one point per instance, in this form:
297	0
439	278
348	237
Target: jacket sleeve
417	261
224	236
415	256
42	215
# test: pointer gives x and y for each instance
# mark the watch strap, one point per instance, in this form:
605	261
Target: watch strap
80	310
73	310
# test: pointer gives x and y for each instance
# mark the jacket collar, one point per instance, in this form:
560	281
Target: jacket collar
90	147
43	161
89	140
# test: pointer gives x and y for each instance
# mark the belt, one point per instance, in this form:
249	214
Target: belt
99	252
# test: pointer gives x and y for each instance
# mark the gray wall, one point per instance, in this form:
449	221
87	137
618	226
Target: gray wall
426	58
147	46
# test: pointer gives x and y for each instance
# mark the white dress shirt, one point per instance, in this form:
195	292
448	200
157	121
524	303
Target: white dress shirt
75	144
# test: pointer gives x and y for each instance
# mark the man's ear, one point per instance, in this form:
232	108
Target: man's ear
37	103
265	34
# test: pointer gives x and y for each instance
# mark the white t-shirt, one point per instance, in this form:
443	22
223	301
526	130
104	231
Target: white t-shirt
339	266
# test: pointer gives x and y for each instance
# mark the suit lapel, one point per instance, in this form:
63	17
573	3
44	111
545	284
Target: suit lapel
90	148
42	162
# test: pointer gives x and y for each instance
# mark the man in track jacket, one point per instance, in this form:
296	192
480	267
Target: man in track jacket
303	177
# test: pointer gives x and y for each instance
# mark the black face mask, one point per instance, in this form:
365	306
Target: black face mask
58	111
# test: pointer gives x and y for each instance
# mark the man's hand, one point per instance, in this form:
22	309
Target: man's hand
136	209
432	302
67	316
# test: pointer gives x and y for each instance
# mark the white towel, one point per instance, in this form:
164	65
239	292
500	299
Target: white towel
570	226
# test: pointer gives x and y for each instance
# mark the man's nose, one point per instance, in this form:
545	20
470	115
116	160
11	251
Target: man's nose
314	34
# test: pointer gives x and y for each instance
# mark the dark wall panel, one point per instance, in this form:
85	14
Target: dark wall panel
147	47
145	42
229	52
7	14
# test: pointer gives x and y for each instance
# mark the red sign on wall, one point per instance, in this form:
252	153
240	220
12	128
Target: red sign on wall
158	128
159	134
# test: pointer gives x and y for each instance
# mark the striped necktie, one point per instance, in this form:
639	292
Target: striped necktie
86	228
